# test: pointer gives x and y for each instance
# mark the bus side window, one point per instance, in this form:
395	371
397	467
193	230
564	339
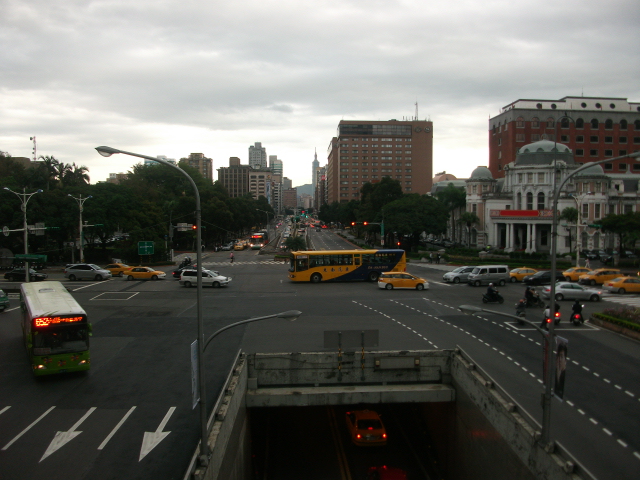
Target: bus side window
357	259
302	265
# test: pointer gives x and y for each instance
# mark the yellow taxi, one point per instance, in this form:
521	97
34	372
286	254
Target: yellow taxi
144	273
518	274
239	245
573	274
117	269
366	428
391	280
600	276
623	285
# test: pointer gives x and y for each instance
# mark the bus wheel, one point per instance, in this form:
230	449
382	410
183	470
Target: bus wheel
316	278
373	276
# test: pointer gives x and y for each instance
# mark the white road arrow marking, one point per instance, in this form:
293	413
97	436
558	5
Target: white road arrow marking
152	439
62	438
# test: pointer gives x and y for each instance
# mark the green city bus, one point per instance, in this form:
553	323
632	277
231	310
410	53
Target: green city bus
345	265
55	329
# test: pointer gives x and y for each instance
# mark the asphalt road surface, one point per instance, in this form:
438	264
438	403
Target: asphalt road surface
130	416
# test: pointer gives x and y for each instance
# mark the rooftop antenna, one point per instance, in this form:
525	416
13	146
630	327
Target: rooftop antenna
416	110
35	154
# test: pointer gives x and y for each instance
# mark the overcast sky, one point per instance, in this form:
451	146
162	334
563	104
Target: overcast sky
168	77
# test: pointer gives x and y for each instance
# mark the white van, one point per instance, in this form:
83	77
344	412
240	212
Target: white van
486	274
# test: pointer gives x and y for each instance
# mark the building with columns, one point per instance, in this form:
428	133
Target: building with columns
515	212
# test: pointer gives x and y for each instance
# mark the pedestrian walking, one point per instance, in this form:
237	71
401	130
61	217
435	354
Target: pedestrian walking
231	258
586	263
438	259
431	257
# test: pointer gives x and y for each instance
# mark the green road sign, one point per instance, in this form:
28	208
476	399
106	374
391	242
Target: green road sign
145	248
31	258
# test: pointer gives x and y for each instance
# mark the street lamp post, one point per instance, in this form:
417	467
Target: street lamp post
24	199
80	201
578	200
546	336
554	241
265	211
107	152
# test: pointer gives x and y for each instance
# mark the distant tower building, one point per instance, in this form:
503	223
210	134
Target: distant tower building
257	156
161	157
314	169
275	165
260	183
287	183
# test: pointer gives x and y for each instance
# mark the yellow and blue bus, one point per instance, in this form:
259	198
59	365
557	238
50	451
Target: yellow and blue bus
345	265
55	329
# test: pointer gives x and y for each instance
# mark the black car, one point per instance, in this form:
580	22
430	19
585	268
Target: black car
542	278
176	273
18	275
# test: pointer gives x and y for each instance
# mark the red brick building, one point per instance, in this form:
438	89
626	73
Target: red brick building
367	151
594	128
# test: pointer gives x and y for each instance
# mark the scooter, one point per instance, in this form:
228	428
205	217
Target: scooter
556	320
577	318
520	311
535	301
495	298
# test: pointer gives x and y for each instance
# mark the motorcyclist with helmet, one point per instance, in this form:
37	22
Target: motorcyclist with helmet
492	292
576	309
549	314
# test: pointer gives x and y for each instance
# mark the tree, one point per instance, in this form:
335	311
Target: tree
626	226
413	214
468	219
295	243
49	164
571	215
454	198
77	175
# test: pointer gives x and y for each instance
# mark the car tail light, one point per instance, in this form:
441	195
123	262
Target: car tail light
384	435
358	435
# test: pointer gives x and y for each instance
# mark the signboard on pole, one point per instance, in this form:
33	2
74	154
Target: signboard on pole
145	248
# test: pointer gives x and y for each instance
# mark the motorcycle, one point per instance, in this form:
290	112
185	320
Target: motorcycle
556	320
495	298
577	318
535	301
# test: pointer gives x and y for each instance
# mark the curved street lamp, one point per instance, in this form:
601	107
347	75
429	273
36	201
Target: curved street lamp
24	198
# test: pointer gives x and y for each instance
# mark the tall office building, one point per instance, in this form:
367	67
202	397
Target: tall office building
235	177
366	151
594	128
201	163
260	183
287	183
275	165
257	156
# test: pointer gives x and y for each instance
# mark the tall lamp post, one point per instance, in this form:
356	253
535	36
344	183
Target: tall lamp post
24	199
107	152
578	200
546	336
554	241
265	211
80	201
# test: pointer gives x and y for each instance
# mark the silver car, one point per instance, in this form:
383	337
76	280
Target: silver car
460	274
189	278
573	291
86	271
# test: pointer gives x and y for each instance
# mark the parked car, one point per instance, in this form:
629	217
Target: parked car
117	269
573	274
4	300
518	274
623	285
18	275
189	278
144	273
542	278
391	280
599	276
572	291
460	274
86	271
628	254
228	246
366	428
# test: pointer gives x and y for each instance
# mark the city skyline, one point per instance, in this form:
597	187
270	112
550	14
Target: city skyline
172	78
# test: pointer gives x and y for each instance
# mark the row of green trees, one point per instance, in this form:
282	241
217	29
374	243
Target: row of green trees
140	208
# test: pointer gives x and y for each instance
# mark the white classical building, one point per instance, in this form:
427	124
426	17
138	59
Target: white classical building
515	212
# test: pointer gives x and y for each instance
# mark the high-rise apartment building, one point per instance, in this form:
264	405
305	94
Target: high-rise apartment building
290	198
257	156
235	177
314	171
594	128
260	183
367	151
275	165
319	193
287	183
201	163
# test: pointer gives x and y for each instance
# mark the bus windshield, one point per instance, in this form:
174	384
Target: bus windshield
68	339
